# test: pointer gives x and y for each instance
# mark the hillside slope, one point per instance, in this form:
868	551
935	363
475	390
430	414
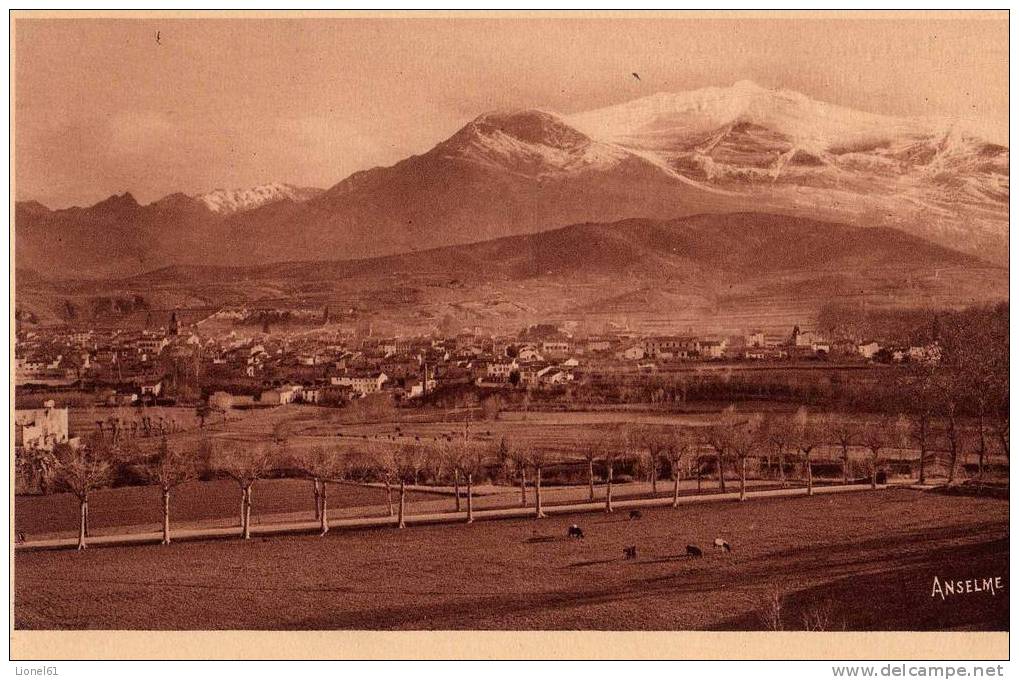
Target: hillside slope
715	150
728	272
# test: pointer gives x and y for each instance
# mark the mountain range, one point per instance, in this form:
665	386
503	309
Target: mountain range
713	272
710	151
227	201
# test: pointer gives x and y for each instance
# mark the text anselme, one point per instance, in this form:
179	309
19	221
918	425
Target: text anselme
963	587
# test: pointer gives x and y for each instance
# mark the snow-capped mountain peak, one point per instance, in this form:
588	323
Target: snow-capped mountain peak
668	119
785	149
531	142
226	201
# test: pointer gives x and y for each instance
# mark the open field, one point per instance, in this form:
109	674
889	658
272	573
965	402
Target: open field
200	505
212	503
862	561
564	436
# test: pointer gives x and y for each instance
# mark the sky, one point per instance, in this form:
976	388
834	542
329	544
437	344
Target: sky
102	107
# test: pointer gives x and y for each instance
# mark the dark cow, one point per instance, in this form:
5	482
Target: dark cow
723	544
575	532
694	551
635	514
630	553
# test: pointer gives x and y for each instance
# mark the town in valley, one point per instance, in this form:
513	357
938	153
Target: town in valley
511	323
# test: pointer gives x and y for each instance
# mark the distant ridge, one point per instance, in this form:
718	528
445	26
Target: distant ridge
702	269
227	201
714	150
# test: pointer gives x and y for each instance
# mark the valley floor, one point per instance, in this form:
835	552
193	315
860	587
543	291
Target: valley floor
860	561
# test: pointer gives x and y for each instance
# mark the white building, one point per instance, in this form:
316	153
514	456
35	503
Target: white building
556	377
804	338
501	370
868	350
362	384
40	428
529	354
556	349
634	353
417	389
713	349
287	394
754	339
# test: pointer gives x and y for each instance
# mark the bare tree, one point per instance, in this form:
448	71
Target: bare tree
455	449
538	459
282	431
433	462
921	432
590	454
169	468
383	463
491	407
34	465
81	470
990	369
648	442
846	433
520	460
954	386
877	435
1000	423
504	459
280	436
981	437
974	372
678	447
410	457
718	436
246	467
736	435
606	446
472	463
923	391
453	452
745	439
779	436
810	433
360	466
323	466
953	436
610	464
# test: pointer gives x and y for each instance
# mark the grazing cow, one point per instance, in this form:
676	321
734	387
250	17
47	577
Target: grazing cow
723	544
575	532
694	551
635	514
630	553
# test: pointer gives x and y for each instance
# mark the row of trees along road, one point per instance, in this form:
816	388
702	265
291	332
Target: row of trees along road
778	444
964	375
956	396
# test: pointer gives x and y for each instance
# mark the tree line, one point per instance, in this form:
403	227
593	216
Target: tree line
783	447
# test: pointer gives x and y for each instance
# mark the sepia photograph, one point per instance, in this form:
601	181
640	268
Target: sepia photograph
565	322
